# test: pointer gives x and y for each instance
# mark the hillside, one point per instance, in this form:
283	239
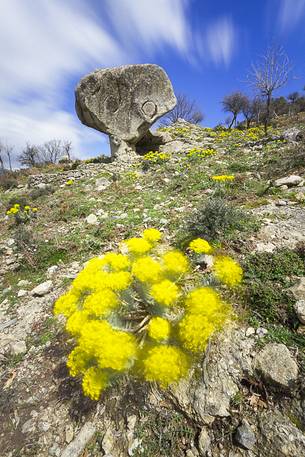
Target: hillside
245	397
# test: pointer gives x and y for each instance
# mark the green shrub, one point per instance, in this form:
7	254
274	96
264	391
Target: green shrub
8	181
40	192
217	219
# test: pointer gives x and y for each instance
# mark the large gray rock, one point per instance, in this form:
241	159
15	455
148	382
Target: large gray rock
276	365
124	102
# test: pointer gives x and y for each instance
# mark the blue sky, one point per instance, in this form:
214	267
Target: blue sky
205	46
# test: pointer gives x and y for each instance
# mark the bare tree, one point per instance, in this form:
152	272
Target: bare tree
29	157
186	109
234	104
269	74
8	151
67	148
51	151
1	157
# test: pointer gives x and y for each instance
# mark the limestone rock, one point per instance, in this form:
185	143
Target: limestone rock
91	219
124	102
290	181
293	134
299	308
102	184
276	365
42	289
244	436
17	347
77	446
279	437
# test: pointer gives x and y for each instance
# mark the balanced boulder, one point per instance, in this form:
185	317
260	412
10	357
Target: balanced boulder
124	102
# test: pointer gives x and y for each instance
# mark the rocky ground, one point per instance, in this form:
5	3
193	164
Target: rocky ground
246	396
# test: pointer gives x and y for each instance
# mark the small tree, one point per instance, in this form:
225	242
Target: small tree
8	151
51	151
269	74
185	109
234	104
67	148
29	157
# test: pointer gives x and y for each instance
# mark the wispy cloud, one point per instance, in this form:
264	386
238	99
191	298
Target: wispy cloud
221	40
291	13
219	43
150	24
44	45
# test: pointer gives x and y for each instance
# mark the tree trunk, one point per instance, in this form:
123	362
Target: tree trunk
9	161
266	123
232	122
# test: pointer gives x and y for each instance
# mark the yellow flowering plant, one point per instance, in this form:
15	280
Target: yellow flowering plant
21	213
155	157
223	178
135	312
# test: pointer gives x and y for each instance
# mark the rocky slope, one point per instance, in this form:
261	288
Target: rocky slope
246	396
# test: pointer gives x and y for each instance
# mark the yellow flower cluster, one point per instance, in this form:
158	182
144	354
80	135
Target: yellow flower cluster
156	157
227	271
69	182
223	178
17	209
200	153
135	312
201	246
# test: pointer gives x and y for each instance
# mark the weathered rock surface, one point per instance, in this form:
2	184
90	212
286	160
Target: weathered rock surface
225	363
244	436
124	102
290	181
279	437
276	365
299	308
293	134
42	289
77	446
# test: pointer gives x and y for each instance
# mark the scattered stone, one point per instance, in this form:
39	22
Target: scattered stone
300	197
250	331
102	184
69	433
23	283
52	270
293	134
290	181
42	289
77	446
92	219
299	308
22	293
261	332
17	347
7	324
10	242
124	102
276	365
281	203
244	436
204	441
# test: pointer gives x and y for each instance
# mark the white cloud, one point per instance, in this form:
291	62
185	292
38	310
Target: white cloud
150	24
290	13
40	121
220	41
45	44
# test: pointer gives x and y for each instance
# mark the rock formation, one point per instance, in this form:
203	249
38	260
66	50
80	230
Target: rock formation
124	102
